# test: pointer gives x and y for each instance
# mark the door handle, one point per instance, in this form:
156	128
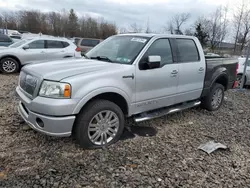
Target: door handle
42	52
62	51
174	72
201	69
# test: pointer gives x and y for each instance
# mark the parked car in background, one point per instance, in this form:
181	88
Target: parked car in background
85	44
35	50
5	40
242	61
15	36
212	55
143	76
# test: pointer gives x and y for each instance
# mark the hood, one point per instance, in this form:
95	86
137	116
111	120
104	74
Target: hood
61	69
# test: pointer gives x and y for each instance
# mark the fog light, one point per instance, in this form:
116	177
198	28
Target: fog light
39	122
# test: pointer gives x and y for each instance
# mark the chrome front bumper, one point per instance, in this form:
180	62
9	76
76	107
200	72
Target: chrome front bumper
52	126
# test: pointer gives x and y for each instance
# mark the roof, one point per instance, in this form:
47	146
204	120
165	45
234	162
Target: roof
156	35
46	38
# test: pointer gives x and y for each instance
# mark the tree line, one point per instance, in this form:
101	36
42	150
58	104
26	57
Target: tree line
213	28
63	23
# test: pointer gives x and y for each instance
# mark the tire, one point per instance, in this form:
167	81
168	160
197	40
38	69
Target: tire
9	65
83	131
208	101
239	77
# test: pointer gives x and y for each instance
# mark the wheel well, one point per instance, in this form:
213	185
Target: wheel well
115	98
223	81
13	57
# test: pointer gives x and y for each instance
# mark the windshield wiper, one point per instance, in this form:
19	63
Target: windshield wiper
102	58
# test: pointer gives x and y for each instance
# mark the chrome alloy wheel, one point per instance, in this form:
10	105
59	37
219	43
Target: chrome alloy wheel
103	127
217	98
9	66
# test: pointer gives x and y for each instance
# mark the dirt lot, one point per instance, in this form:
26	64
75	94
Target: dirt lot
168	158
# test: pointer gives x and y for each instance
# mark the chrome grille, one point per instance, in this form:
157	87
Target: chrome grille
28	83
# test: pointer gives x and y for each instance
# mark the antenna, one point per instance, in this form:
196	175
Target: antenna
148	29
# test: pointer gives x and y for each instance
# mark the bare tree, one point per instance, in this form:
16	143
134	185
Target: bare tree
245	30
176	22
63	23
238	16
135	28
223	23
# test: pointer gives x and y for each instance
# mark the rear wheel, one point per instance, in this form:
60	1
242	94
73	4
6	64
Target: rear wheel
9	65
99	124
214	99
239	80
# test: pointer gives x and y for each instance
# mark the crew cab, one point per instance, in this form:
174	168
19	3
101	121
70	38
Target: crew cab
143	76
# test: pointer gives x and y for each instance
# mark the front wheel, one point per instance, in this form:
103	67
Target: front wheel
214	99
9	65
99	124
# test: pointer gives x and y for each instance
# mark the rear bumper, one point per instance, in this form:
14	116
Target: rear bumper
52	126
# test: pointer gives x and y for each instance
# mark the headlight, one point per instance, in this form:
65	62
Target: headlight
55	89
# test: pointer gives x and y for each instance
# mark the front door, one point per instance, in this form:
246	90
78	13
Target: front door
157	87
191	71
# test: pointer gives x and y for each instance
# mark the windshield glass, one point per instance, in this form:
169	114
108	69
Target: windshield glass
19	43
119	49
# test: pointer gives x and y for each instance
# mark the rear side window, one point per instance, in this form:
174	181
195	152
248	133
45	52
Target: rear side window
38	44
65	44
188	51
4	38
54	44
89	42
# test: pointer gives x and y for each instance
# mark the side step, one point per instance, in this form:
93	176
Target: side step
164	111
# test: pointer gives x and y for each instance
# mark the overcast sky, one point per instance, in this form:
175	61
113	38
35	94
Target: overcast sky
124	12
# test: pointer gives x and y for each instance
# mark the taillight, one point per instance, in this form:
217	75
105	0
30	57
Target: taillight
78	49
237	67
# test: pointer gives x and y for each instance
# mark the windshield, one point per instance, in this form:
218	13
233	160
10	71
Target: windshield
119	49
17	44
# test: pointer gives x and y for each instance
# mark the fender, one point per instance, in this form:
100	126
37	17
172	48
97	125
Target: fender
99	91
221	71
213	75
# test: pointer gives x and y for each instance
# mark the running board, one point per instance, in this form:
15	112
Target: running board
164	111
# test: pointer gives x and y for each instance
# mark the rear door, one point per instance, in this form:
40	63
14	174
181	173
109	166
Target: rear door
56	49
35	53
191	70
157	87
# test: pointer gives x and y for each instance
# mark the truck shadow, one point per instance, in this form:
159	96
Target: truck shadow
133	131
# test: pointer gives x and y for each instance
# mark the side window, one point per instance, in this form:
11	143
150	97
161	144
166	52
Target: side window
188	50
248	63
4	38
65	44
89	42
38	44
54	44
160	47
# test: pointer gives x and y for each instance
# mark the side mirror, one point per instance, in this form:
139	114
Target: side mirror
154	61
25	47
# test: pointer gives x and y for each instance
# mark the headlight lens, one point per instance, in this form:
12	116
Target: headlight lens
55	89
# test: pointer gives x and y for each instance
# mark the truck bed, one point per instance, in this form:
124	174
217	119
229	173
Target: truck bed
227	66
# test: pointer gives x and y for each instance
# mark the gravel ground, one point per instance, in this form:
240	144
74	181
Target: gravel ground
164	154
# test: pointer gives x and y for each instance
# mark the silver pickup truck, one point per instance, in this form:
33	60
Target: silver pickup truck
143	76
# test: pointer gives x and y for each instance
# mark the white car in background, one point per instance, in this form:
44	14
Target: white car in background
242	61
35	50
